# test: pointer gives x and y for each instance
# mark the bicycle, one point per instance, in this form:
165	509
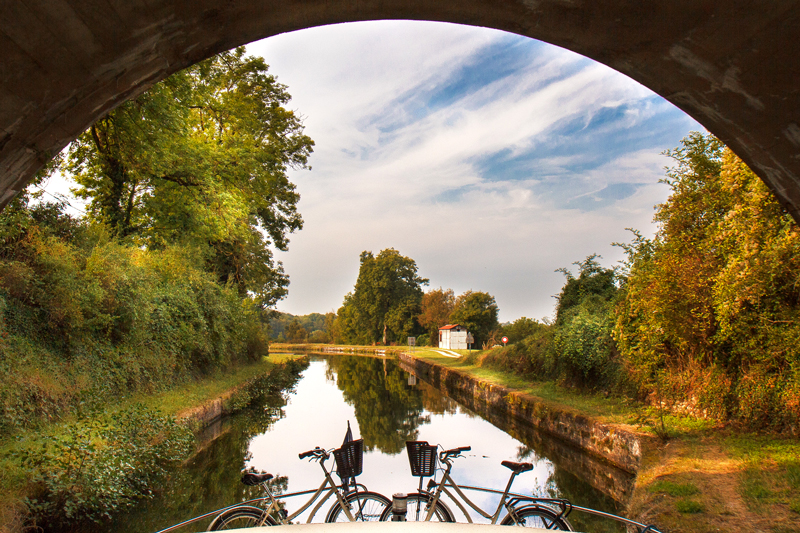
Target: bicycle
350	506
426	505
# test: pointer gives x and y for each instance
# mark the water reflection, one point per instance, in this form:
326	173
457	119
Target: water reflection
389	411
374	394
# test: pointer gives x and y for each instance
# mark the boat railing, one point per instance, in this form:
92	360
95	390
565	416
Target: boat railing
642	528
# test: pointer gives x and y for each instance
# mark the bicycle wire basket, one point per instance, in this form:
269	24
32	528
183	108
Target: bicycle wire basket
421	457
349	459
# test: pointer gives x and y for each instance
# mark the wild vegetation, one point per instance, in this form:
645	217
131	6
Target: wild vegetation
169	273
703	319
167	278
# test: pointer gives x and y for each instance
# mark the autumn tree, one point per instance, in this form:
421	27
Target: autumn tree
201	159
436	307
711	314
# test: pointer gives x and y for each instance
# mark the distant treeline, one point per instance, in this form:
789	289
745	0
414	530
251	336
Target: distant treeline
285	327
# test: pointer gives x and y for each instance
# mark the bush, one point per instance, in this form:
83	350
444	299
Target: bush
82	313
586	349
533	357
99	464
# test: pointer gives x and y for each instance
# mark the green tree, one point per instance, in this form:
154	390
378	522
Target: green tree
201	158
583	328
477	311
295	332
593	287
436	307
385	301
520	329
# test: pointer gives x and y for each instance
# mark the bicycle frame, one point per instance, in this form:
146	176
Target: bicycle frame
333	489
448	481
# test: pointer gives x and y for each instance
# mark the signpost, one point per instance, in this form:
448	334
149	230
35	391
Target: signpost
412	341
505	340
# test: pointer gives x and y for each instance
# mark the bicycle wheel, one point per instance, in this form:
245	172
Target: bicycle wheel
364	506
240	517
417	506
537	516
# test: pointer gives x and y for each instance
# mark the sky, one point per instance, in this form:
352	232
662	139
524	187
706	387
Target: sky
490	159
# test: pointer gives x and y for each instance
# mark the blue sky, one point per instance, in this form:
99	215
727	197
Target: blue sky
489	158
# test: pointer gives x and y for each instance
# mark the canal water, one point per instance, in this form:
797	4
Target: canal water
385	406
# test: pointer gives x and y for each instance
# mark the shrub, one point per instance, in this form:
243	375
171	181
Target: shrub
105	317
97	465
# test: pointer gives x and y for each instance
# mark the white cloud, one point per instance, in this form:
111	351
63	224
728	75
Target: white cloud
390	149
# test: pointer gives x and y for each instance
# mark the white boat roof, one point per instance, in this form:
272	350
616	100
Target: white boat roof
384	527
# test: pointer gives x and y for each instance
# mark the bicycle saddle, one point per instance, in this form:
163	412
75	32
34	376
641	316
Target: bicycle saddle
249	478
517	467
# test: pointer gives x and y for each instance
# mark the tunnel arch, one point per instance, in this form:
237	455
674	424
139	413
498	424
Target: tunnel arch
733	67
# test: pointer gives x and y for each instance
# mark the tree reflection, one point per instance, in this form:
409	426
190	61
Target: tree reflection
389	411
435	402
563	484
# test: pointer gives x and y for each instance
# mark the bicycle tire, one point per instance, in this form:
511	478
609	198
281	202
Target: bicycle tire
240	517
537	516
417	505
365	506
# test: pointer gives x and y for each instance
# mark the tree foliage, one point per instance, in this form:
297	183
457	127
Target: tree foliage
712	304
477	311
385	302
201	159
436	307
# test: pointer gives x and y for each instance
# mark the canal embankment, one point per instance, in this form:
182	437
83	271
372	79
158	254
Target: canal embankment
199	404
615	444
697	476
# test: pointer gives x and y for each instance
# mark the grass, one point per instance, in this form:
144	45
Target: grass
689	506
198	392
770	475
674	489
12	478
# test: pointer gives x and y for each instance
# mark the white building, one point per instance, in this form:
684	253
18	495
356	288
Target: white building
453	337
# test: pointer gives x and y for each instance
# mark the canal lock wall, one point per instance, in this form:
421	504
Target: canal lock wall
606	456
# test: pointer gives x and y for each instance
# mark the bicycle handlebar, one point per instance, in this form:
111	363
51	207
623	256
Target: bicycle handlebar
455	452
316	452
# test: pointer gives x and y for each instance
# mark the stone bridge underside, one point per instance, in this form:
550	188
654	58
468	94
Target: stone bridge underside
733	65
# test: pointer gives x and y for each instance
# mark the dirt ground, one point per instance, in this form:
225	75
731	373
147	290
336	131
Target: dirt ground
696	485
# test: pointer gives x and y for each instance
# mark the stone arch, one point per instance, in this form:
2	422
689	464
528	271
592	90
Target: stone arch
732	66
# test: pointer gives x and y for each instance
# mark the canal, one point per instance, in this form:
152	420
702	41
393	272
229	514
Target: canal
385	406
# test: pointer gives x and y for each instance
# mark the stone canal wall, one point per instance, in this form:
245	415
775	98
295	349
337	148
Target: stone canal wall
614	444
381	351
